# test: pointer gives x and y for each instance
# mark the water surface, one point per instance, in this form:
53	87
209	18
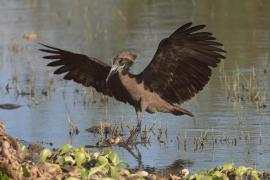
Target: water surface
236	131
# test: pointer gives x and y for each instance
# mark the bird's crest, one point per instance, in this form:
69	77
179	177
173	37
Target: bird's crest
127	55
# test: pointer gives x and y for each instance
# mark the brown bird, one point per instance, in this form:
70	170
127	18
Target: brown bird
180	68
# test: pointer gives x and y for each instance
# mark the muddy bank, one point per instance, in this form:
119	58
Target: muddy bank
13	162
67	162
70	163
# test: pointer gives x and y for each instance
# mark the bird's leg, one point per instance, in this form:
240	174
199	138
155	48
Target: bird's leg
139	120
139	112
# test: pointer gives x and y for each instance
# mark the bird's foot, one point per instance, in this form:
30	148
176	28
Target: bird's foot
139	126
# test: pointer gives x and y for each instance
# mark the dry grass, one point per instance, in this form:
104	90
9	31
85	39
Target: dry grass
244	88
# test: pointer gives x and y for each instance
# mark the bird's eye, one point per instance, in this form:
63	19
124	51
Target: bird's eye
121	62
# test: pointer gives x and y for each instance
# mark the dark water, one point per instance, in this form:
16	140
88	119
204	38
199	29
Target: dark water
234	131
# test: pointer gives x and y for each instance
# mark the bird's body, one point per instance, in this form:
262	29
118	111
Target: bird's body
179	69
125	87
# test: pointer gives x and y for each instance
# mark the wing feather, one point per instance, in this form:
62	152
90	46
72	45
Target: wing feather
56	63
80	68
182	64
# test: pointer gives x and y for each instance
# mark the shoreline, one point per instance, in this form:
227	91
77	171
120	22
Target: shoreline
36	162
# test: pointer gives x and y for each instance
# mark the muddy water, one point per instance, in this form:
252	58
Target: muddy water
223	130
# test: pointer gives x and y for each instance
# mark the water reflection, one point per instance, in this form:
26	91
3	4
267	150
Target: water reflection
102	29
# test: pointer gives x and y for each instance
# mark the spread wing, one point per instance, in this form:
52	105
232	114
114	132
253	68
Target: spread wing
181	66
82	69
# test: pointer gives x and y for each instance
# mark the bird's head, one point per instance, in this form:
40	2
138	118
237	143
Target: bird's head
121	63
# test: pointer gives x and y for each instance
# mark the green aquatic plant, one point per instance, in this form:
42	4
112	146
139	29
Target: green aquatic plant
24	171
65	149
45	154
106	164
226	172
242	87
3	176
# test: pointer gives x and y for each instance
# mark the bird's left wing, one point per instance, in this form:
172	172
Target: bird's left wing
82	69
182	64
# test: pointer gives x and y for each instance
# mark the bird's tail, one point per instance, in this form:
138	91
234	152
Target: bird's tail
178	111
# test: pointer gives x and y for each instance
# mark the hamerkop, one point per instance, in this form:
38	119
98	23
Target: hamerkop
180	68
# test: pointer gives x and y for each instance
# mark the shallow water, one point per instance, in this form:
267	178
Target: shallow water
235	131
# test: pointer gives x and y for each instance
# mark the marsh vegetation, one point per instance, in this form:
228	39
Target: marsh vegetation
231	121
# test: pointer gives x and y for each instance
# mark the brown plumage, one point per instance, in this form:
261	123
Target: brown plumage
180	68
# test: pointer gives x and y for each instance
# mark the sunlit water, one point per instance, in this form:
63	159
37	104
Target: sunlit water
235	132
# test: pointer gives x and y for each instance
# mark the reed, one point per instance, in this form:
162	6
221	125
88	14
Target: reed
240	87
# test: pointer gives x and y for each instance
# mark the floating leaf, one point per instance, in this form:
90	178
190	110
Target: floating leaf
254	175
114	173
84	174
203	177
241	170
65	149
80	158
102	160
60	160
193	176
96	169
113	157
45	154
25	171
218	175
23	149
69	160
22	169
228	166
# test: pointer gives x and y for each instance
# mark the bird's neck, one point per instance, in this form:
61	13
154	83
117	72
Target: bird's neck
120	80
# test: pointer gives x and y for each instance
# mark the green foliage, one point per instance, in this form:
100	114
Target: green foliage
60	160
228	167
108	165
45	154
3	176
228	171
84	174
241	170
80	158
23	149
113	172
101	163
65	149
106	162
23	170
68	160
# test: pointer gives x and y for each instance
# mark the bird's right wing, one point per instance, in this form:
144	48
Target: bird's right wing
80	68
182	64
